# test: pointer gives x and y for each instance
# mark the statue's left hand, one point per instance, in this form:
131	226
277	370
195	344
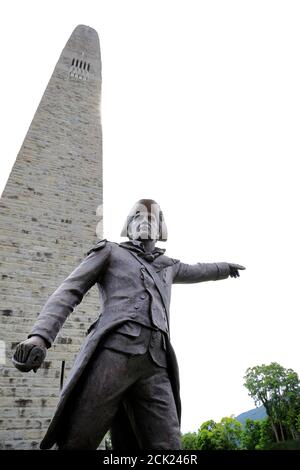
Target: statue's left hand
234	269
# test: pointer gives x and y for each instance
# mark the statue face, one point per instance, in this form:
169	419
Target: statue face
143	225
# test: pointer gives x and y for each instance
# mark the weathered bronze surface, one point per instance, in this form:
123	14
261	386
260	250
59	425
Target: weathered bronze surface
125	378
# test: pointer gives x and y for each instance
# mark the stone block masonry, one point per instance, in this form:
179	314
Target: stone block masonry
48	221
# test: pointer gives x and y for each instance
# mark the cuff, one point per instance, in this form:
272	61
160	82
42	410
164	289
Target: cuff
224	270
46	339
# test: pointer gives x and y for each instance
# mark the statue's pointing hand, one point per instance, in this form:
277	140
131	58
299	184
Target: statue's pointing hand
234	269
30	354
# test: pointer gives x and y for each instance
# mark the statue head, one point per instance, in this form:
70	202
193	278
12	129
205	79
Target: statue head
145	221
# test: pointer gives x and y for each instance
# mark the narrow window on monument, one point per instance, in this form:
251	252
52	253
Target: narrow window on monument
77	63
84	65
80	65
88	67
73	61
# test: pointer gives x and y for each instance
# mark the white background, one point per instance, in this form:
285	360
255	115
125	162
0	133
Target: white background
200	111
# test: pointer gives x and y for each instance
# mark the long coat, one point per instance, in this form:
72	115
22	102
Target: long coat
117	274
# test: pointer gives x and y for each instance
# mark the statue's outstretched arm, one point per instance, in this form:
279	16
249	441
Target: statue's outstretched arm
201	272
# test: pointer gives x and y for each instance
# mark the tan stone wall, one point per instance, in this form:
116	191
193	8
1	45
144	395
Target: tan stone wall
47	223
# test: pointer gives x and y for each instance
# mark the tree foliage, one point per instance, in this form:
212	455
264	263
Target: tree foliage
189	441
273	386
257	434
278	389
225	435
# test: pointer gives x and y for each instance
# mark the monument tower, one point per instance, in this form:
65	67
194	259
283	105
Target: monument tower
47	223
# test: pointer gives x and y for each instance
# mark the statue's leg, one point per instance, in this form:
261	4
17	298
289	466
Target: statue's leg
95	401
153	411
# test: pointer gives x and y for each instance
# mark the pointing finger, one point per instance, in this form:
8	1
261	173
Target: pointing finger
238	266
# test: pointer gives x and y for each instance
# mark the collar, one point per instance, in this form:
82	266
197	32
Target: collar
138	247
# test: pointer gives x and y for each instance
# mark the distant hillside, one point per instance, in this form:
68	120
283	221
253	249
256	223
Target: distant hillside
256	413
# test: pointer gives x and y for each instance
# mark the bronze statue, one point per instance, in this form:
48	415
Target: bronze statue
125	377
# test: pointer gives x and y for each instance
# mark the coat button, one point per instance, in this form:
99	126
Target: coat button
136	306
143	296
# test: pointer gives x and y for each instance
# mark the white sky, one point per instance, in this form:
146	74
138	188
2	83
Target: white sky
202	99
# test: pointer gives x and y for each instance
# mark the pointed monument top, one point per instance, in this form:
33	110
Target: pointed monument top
81	55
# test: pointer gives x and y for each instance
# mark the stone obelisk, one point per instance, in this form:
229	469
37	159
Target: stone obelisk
48	221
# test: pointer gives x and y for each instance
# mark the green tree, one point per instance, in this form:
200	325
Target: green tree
251	434
257	434
298	423
279	391
189	441
266	435
206	440
224	435
228	433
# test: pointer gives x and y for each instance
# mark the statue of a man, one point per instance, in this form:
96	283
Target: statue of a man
125	377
